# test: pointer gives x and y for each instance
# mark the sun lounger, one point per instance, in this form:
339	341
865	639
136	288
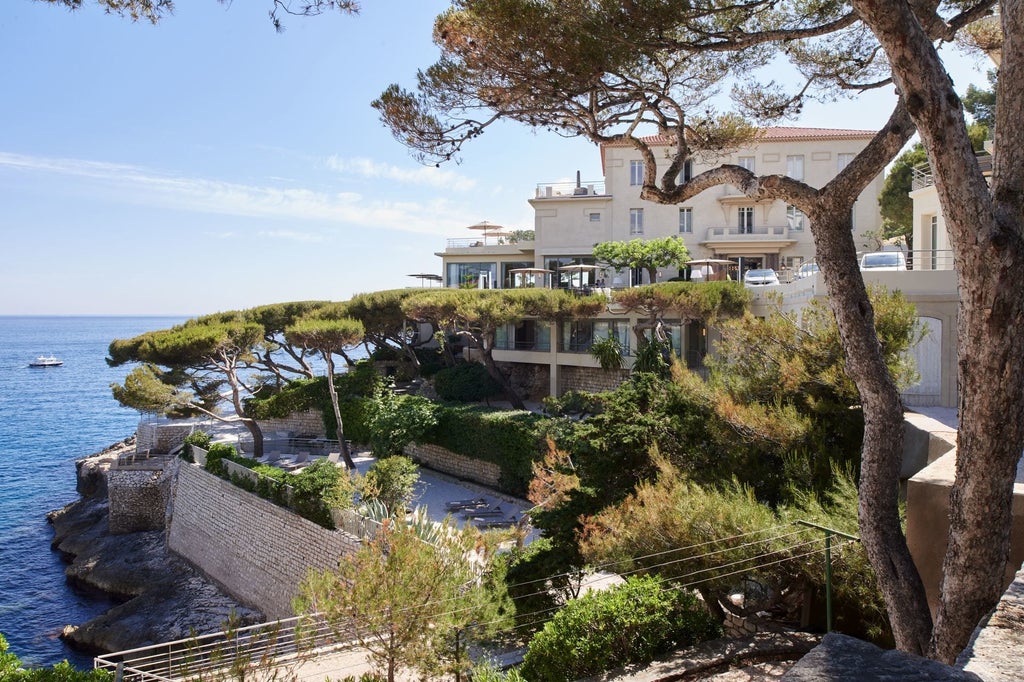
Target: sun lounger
460	505
484	512
491	522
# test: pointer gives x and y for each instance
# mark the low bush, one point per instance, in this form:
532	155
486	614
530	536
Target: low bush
629	623
13	670
199	439
391	481
466	382
317	489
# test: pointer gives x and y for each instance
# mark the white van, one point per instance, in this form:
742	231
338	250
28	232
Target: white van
883	260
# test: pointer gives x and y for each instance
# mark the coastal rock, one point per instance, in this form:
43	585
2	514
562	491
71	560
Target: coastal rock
165	597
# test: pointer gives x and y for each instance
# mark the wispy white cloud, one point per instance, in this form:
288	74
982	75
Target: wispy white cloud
292	235
137	185
419	175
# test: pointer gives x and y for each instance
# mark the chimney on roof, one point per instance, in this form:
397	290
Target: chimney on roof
577	178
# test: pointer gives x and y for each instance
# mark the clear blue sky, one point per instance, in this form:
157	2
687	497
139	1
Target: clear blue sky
209	163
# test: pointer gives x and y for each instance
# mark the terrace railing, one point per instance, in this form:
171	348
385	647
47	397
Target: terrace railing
227	654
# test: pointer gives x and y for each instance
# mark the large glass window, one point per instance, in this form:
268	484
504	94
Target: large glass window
509	279
686	221
636	221
795	167
935	241
573	278
472	275
636	173
746	220
523	335
795	218
579	336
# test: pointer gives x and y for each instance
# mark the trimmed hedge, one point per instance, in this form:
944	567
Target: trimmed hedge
355	389
466	382
510	439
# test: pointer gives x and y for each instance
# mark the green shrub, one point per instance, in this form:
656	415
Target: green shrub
199	439
395	421
629	623
318	488
356	388
391	481
12	670
218	452
467	382
431	361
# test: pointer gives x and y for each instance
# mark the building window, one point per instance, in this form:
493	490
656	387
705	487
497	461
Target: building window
686	221
472	275
579	336
636	221
746	220
795	167
595	217
746	162
795	218
935	241
843	160
636	173
686	174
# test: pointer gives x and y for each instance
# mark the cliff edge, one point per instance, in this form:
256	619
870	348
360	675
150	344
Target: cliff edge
165	598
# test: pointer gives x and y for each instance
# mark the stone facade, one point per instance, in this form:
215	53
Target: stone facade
590	379
138	499
465	468
257	551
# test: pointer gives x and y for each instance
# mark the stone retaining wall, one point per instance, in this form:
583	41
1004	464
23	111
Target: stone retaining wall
138	499
591	379
161	437
257	551
303	424
453	464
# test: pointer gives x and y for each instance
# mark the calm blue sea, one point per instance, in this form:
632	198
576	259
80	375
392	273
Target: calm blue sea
49	418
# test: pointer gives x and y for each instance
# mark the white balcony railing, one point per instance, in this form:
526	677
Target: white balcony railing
562	190
754	233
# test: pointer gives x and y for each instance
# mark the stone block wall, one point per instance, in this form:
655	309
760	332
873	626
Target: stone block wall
590	379
161	437
257	551
453	464
309	423
138	499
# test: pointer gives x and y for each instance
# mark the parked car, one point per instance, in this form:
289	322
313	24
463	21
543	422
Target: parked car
806	270
755	278
883	260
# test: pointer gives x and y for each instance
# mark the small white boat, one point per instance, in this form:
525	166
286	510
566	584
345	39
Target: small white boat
44	361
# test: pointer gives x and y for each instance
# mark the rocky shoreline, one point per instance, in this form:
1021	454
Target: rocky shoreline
159	597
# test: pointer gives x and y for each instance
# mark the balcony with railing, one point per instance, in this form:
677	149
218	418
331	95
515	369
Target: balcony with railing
569	190
921	174
755	233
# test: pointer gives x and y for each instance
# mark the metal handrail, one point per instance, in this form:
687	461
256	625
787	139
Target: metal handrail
264	645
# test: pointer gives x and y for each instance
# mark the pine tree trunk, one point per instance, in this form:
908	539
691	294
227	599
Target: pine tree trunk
882	450
499	376
986	230
340	431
